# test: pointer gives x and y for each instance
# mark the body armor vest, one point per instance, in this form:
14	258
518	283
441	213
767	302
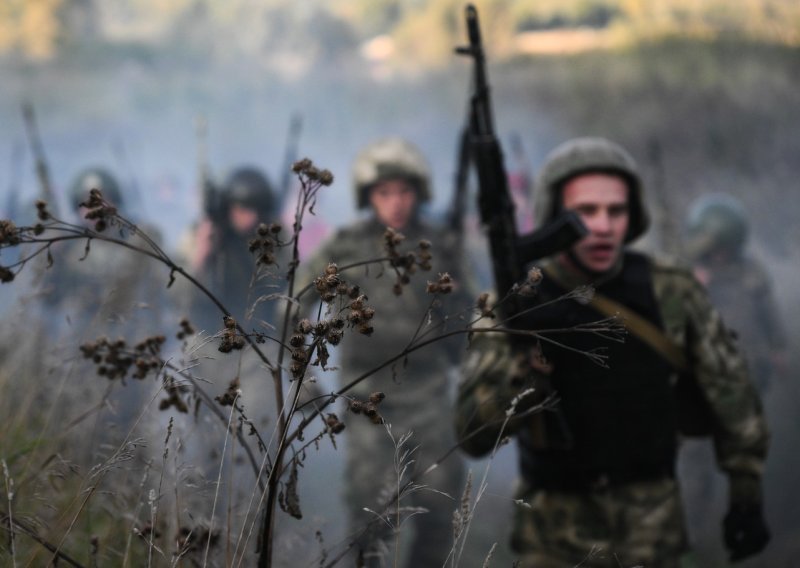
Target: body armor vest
620	418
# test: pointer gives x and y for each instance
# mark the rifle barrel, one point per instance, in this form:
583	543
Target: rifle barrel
42	171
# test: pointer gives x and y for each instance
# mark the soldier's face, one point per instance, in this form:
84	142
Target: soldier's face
394	202
243	219
601	201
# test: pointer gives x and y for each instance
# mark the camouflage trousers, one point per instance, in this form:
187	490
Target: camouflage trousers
626	526
374	467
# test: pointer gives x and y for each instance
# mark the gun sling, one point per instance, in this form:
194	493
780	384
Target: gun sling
636	324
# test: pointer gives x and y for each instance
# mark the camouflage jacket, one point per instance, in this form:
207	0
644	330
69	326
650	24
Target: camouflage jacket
103	288
493	370
742	292
422	375
250	291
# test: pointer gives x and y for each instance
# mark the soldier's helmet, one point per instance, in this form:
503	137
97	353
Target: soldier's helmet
589	155
95	178
249	187
716	221
390	158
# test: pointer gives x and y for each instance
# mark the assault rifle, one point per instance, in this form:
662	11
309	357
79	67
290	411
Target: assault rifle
510	251
210	196
289	158
42	172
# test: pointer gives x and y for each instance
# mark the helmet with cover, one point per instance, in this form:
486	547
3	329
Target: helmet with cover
95	178
249	187
717	221
390	158
589	155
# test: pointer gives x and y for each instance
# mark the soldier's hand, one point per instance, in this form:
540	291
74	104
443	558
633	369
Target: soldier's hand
745	531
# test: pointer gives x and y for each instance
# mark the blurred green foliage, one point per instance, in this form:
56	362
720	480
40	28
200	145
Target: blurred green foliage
39	30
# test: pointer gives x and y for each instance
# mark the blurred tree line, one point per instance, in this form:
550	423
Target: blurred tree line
422	31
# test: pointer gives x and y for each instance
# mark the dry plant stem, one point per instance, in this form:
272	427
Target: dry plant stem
75	232
139	501
9	485
268	530
221	416
481	490
21	528
154	509
307	196
219	481
405	352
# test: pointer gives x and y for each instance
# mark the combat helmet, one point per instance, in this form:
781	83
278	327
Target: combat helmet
390	158
247	186
717	221
95	178
589	155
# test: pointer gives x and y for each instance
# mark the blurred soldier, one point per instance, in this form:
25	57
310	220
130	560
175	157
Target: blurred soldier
391	178
219	254
737	283
101	289
740	288
109	283
598	471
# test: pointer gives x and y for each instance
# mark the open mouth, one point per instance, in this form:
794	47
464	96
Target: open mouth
601	251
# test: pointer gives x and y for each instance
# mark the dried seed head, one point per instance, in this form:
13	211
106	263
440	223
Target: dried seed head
301	166
6	275
334	336
534	276
296	368
356	407
376	397
304	326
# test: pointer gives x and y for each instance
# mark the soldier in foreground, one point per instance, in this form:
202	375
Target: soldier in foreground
597	472
392	179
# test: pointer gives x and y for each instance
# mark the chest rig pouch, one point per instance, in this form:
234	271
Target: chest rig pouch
621	415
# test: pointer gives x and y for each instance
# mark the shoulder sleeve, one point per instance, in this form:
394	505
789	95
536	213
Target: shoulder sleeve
720	370
493	373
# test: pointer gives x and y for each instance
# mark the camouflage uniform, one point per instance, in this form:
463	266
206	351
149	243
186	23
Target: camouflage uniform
105	290
417	389
598	484
738	284
230	272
